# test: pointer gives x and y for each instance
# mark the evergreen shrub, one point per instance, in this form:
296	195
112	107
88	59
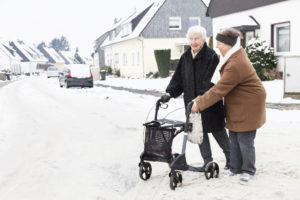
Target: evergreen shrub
263	59
163	61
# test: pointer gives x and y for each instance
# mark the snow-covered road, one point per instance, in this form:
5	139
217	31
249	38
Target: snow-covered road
81	144
58	143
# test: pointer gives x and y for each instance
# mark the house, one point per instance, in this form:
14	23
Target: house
130	44
52	55
31	58
9	59
98	55
275	21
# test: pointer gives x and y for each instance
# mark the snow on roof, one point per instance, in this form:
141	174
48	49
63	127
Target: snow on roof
10	52
140	26
68	55
54	55
30	52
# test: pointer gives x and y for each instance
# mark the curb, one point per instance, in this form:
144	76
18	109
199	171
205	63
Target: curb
279	106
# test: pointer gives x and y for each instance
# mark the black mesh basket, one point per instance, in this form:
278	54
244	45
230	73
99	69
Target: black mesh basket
158	140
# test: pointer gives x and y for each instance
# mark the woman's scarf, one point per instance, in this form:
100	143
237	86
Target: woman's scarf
216	77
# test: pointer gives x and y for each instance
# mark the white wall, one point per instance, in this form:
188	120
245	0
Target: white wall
144	48
4	61
154	44
288	11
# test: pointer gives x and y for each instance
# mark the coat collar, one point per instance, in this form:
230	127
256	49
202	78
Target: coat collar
199	54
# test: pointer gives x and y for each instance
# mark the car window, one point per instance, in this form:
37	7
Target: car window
52	69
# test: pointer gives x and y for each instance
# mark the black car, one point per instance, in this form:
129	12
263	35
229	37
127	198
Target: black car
76	75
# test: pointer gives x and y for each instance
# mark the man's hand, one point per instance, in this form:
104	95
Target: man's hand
195	107
165	98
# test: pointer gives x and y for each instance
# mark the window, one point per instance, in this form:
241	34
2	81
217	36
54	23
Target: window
194	21
138	58
116	58
127	29
124	59
281	37
132	59
174	23
112	35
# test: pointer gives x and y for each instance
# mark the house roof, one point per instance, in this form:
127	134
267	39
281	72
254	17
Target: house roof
68	56
28	52
54	55
139	21
10	52
219	8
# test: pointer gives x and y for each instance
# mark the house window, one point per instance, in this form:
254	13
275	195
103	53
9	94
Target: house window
281	37
124	59
116	58
138	58
132	59
112	35
175	23
127	29
194	21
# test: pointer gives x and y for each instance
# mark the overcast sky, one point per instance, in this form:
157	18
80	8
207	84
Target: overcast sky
80	21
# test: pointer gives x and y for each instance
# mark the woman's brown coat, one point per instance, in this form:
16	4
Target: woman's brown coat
243	92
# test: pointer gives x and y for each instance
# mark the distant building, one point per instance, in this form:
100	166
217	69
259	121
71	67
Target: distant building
9	59
53	56
31	58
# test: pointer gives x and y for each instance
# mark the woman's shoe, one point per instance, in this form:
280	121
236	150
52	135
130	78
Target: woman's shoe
246	177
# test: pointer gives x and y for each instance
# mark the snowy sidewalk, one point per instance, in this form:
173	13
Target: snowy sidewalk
156	87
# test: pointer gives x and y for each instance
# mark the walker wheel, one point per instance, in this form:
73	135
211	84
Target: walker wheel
145	170
212	170
175	178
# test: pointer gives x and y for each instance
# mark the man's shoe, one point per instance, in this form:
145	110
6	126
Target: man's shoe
246	177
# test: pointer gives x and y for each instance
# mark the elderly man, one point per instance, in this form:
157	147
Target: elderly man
193	78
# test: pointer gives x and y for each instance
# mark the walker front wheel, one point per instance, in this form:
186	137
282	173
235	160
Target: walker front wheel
175	178
212	170
145	170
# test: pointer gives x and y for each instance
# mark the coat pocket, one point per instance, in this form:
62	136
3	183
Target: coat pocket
235	113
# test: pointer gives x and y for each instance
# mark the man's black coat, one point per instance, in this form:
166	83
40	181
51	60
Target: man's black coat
192	77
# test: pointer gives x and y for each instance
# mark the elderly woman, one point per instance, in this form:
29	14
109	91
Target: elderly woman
192	78
244	97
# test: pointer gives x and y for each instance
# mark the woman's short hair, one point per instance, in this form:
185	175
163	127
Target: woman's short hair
198	30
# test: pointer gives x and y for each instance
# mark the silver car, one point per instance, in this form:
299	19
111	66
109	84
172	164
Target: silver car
52	72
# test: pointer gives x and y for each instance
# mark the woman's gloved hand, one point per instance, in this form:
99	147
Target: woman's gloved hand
165	98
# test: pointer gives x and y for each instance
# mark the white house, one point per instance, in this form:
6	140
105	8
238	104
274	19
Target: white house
130	44
275	21
32	58
9	59
53	56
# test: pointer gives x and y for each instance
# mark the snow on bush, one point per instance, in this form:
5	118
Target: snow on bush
263	59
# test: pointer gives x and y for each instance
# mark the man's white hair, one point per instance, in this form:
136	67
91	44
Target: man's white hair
198	30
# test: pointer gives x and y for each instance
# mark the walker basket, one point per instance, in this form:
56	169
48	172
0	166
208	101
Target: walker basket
158	140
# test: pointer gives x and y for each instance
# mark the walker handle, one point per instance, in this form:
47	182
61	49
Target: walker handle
158	102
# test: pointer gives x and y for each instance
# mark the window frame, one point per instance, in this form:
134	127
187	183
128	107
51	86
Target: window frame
193	18
179	25
274	36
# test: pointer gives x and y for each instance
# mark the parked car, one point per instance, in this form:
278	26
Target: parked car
52	72
76	75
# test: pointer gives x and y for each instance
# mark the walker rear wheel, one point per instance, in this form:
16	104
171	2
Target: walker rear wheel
212	170
145	170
